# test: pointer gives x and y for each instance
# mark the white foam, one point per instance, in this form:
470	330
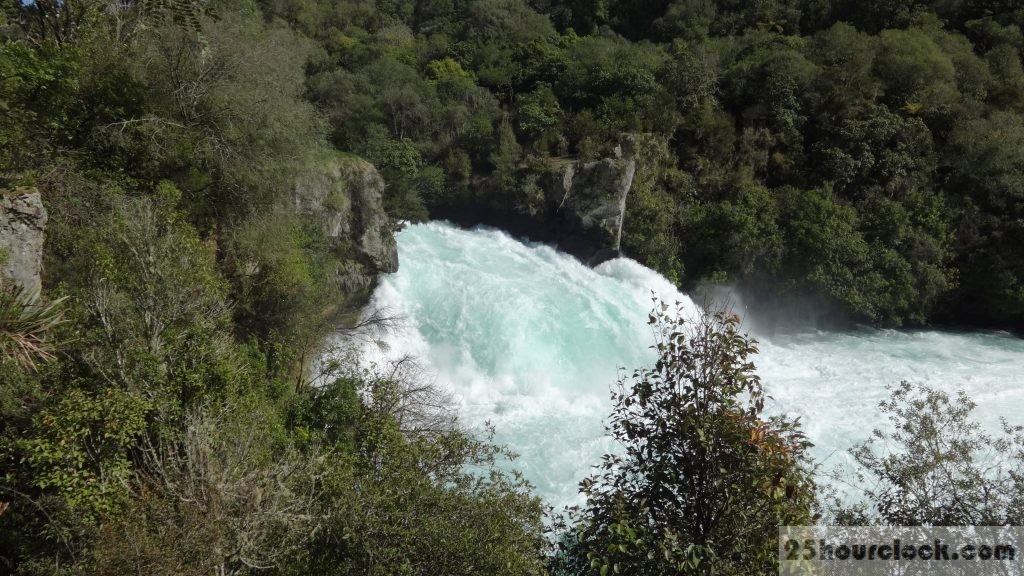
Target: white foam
531	341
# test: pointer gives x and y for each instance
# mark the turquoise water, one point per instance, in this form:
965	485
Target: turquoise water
528	339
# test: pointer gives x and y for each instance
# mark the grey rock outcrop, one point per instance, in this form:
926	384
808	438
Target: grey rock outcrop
371	226
346	195
578	205
22	231
587	203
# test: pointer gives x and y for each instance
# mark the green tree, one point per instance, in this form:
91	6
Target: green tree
37	89
766	85
539	118
703	479
406	490
915	71
506	157
846	83
825	254
231	497
988	181
732	239
1007	87
934	465
227	104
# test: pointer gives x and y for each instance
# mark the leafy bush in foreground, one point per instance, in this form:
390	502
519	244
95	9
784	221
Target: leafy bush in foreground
703	480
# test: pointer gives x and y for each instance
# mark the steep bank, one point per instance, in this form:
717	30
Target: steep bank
344	196
578	205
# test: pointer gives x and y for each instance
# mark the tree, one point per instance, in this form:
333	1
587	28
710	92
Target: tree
229	105
506	157
229	498
877	148
735	238
37	90
55	21
935	466
406	490
613	86
540	117
703	479
766	85
915	71
846	56
986	161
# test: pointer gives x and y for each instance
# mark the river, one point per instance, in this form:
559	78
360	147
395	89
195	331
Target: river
530	340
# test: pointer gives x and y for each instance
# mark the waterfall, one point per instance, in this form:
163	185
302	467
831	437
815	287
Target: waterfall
530	340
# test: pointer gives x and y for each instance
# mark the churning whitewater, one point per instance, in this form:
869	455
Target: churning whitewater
530	340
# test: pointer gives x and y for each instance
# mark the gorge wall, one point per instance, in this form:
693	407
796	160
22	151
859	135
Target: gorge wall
22	230
345	195
578	205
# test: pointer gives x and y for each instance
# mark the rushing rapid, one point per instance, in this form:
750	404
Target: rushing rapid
530	340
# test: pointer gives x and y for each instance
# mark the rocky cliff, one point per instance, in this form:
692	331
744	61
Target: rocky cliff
587	203
22	226
345	195
579	205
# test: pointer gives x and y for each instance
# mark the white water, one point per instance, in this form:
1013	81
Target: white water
530	340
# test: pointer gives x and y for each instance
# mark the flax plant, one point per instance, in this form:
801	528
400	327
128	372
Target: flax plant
27	323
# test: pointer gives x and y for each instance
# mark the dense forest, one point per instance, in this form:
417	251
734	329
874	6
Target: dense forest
160	409
861	155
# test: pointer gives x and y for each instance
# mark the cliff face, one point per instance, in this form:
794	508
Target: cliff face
22	231
578	205
587	204
346	196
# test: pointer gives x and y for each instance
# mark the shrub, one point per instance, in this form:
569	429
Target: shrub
935	466
703	480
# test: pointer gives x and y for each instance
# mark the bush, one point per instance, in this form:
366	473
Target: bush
934	466
703	480
408	491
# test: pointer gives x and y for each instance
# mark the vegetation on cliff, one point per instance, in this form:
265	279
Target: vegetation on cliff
158	409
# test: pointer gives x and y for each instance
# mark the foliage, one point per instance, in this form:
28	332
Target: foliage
934	466
989	214
703	480
229	106
282	276
26	323
156	417
229	498
32	117
449	509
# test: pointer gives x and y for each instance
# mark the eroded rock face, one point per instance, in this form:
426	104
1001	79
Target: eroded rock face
578	205
371	226
587	203
22	231
346	195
